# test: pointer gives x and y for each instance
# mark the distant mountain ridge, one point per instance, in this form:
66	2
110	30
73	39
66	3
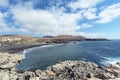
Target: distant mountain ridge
25	39
64	36
61	38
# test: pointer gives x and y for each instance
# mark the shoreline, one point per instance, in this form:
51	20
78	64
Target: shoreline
18	48
23	51
67	70
41	46
21	47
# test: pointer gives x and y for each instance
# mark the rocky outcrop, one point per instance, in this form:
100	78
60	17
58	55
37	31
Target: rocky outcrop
67	70
8	62
80	70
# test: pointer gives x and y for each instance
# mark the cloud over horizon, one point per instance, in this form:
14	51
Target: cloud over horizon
55	17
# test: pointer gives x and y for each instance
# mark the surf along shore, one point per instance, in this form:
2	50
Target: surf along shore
19	48
67	70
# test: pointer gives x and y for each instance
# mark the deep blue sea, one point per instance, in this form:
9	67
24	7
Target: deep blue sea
99	52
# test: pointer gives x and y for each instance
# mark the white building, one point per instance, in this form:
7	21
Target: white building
4	39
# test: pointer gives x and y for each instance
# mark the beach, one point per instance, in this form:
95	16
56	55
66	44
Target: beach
18	47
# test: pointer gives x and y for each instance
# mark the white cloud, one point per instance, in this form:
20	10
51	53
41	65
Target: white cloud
92	35
83	4
56	3
52	21
4	3
109	13
90	13
3	26
85	25
46	22
1	17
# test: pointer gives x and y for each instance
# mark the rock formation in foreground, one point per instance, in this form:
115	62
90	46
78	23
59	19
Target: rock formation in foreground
8	63
67	70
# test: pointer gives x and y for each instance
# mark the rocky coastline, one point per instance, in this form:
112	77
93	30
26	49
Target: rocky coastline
67	70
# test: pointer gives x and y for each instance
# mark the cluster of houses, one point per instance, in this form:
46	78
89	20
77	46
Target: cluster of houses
8	39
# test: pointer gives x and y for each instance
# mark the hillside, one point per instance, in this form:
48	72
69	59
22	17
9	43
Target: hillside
18	36
61	38
17	39
24	39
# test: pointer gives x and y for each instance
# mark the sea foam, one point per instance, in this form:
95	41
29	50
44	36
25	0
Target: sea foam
112	61
44	46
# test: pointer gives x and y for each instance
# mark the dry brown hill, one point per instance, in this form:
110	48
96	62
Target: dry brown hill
65	37
24	37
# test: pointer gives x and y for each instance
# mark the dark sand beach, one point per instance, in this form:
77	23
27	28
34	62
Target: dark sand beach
18	48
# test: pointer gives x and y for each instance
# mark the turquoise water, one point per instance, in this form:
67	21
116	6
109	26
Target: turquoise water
99	52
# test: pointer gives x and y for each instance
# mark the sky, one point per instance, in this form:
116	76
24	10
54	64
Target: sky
89	18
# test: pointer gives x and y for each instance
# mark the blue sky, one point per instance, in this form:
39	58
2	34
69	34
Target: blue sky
89	18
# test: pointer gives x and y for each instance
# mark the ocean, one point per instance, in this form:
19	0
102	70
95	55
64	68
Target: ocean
100	52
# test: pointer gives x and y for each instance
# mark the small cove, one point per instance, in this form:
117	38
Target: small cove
99	52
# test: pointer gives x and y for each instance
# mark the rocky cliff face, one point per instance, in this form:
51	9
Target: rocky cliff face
67	70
